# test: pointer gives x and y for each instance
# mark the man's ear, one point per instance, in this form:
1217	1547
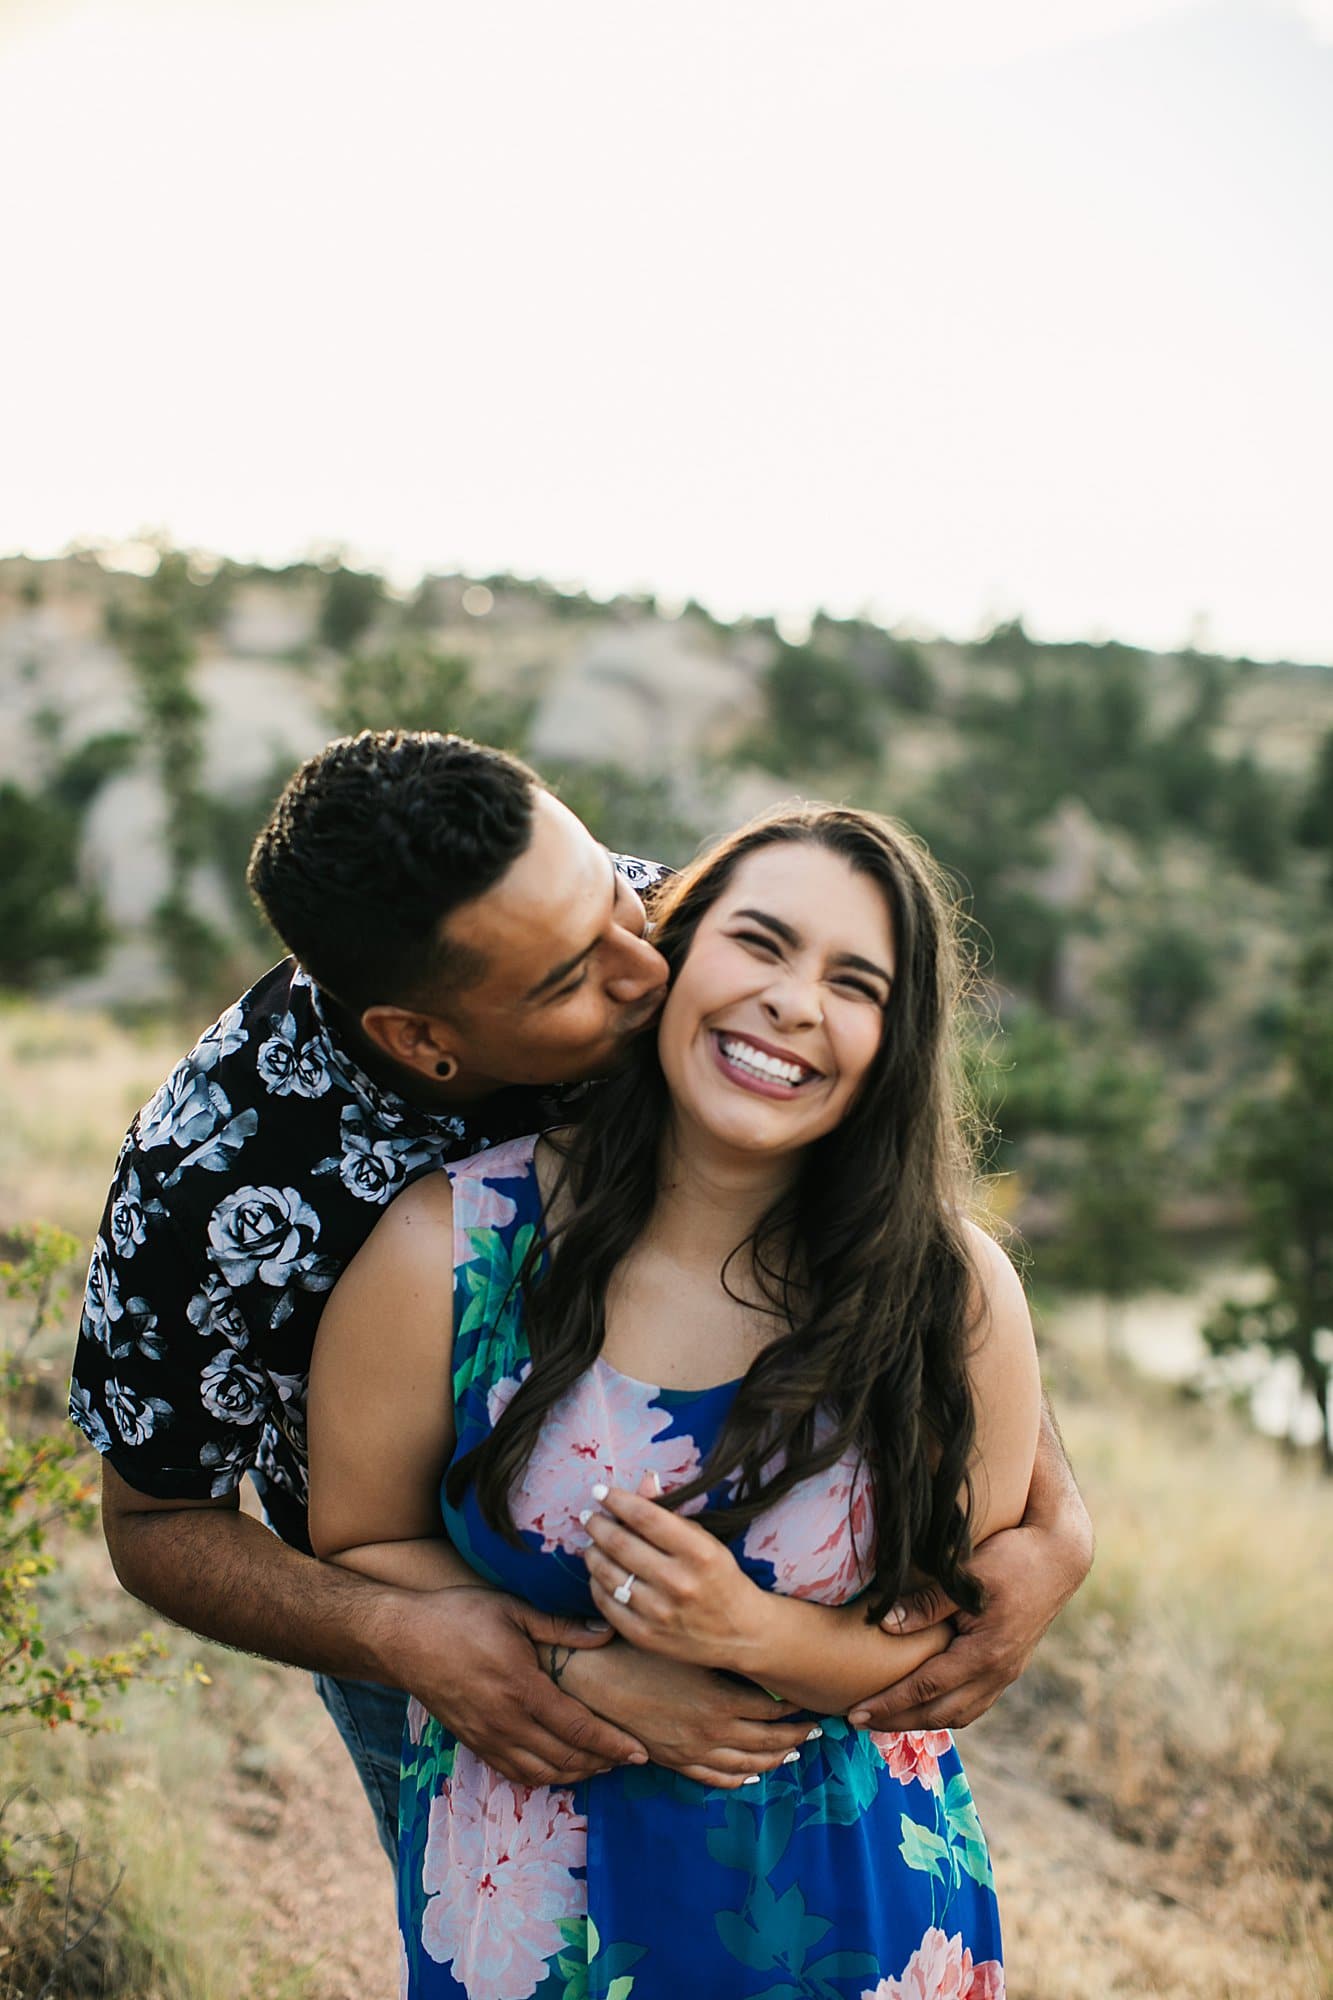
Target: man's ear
422	1042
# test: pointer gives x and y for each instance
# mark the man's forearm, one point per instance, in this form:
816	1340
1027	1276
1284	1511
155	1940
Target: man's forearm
223	1575
1054	1501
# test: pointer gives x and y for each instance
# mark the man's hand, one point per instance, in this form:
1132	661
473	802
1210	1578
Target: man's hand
1028	1574
471	1657
707	1727
468	1653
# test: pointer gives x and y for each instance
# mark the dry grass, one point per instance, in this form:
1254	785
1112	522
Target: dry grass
69	1085
1158	1789
1164	1774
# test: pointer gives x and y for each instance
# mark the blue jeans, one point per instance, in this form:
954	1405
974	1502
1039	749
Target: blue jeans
369	1718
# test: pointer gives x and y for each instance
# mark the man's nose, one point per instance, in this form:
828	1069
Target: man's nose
640	969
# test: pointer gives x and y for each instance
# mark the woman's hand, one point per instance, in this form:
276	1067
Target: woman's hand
688	1598
709	1728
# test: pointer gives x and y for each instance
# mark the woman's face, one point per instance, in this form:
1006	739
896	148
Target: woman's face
775	1016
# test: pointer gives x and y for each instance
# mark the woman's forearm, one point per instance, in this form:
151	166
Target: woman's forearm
429	1563
826	1657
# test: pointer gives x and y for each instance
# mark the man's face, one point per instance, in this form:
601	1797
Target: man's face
569	978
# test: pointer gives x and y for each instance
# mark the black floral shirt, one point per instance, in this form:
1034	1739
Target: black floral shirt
242	1191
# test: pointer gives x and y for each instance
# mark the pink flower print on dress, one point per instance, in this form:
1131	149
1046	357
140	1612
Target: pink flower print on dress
605	1428
913	1754
499	1872
941	1968
820	1537
478	1204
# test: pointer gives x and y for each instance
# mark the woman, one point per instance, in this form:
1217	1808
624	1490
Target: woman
727	1366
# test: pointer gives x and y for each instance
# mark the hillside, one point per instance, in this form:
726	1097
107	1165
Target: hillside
674	725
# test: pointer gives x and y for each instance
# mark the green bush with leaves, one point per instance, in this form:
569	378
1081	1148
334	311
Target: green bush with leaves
352	601
820	714
413	685
1283	1154
47	1486
52	924
50	1902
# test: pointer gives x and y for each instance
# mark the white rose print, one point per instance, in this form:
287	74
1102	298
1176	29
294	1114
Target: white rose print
231	1390
289	1069
136	1417
214	1311
187	1110
88	1419
128	1229
262	1232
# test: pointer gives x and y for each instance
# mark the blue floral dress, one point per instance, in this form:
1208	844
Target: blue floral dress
858	1872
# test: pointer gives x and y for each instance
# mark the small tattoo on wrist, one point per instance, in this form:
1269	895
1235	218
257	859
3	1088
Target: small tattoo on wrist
558	1658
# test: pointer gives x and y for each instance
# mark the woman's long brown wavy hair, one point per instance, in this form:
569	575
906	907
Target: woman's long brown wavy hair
862	1262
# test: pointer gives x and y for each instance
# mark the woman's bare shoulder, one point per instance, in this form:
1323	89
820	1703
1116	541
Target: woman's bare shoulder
998	1300
415	1234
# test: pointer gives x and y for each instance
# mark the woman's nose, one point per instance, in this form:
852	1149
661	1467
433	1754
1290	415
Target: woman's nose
794	1003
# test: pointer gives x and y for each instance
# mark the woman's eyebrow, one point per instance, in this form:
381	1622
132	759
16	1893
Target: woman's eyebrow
795	940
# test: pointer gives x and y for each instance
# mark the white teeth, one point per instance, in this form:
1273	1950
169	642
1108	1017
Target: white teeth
745	1056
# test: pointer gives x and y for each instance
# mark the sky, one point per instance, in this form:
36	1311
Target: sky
945	310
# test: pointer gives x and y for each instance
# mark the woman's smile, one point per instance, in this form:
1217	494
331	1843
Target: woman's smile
759	1066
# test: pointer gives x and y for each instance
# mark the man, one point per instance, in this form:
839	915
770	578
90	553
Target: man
465	959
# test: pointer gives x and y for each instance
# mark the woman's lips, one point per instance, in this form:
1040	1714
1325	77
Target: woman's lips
751	1080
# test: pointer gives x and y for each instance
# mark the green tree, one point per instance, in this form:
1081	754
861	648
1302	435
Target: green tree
1253	821
412	685
52	924
352	598
157	633
1111	1240
1314	821
1024	1083
1169	975
910	678
819	713
1284	1150
80	775
633	815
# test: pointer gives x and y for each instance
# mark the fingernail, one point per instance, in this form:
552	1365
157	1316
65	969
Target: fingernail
792	1757
895	1616
753	1779
585	1517
599	1492
595	1625
859	1717
639	1757
811	1734
657	1484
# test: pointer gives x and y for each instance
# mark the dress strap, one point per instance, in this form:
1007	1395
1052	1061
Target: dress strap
497	1215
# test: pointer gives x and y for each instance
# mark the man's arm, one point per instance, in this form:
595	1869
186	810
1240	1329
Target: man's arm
468	1655
701	1724
1029	1573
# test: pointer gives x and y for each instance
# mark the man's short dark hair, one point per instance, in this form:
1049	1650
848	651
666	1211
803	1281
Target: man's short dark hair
373	842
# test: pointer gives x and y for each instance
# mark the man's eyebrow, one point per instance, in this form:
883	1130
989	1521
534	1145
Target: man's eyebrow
559	973
795	940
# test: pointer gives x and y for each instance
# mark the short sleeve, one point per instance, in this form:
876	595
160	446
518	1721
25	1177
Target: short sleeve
163	1386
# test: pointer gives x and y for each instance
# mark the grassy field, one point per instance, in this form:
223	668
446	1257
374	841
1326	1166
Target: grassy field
1158	1789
